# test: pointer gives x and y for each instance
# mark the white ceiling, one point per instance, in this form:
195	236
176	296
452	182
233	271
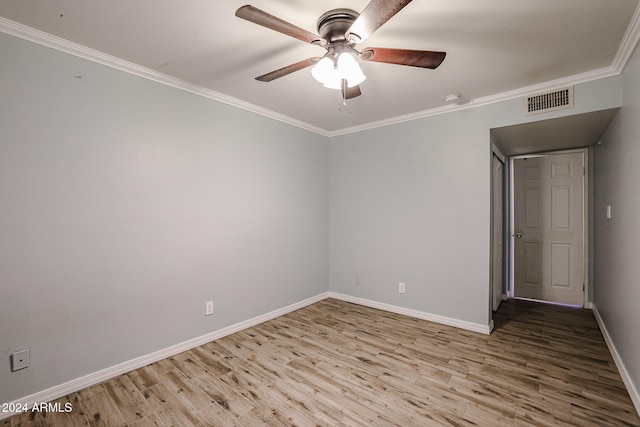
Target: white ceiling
495	48
562	133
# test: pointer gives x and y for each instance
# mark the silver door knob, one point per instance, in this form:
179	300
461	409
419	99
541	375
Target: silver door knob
519	235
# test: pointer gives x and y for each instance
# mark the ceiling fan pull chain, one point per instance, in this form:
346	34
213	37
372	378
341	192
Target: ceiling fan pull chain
343	95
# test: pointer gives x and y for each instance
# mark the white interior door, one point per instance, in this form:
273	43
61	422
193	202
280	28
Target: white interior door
497	275
549	228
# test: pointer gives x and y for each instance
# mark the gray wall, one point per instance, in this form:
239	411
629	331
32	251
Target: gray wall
126	204
617	240
411	203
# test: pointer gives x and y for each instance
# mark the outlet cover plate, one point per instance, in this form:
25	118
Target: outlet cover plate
208	309
20	360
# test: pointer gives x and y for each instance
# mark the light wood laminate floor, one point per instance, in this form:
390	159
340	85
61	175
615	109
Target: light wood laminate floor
338	364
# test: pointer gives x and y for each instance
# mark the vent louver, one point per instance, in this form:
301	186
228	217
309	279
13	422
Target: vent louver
550	101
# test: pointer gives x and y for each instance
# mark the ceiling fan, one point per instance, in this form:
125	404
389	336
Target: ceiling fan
340	30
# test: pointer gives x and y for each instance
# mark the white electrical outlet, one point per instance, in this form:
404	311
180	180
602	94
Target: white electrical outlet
401	288
208	308
20	360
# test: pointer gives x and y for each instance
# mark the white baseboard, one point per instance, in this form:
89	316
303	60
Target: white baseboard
72	386
470	326
628	382
94	378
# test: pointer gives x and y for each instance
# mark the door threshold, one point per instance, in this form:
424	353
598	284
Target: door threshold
548	302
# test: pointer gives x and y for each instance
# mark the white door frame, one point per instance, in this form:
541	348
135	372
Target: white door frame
495	246
511	236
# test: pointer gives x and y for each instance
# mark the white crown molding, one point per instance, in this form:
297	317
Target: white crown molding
94	378
628	44
486	100
48	40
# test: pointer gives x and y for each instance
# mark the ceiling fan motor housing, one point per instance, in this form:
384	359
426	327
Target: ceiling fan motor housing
333	25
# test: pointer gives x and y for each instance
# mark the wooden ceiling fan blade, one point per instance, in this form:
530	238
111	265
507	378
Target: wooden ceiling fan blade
413	58
281	72
373	17
260	17
352	92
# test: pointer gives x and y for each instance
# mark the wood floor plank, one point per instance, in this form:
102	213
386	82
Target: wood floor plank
126	396
290	411
152	420
72	415
224	396
99	408
168	406
211	362
215	415
186	364
190	395
143	378
335	363
67	411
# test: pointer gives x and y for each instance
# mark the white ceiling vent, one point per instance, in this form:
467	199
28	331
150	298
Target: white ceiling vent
550	101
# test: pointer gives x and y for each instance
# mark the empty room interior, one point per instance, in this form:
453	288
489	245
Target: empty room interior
199	227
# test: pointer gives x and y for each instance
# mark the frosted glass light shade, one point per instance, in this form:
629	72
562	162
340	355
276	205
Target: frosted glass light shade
331	75
350	70
326	73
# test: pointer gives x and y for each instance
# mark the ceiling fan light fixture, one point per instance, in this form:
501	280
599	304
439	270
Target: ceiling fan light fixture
350	70
339	31
326	73
333	84
331	73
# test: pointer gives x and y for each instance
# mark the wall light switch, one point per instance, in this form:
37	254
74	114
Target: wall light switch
20	360
608	212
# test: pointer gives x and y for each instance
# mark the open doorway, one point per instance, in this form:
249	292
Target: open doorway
572	132
549	227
